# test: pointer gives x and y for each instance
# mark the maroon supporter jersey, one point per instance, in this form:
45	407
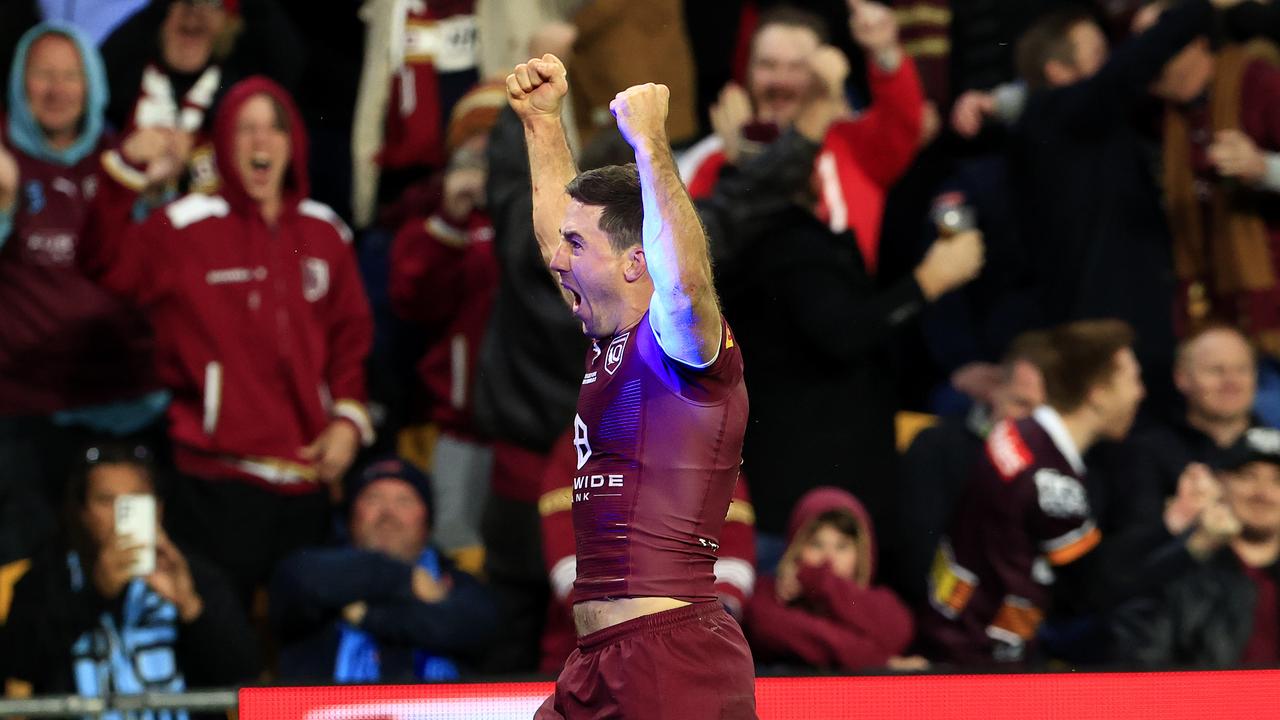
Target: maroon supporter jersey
658	444
64	341
1025	512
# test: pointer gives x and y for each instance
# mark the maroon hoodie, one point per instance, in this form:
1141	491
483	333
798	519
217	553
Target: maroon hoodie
835	623
261	331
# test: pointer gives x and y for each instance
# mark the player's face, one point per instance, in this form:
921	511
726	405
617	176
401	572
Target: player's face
779	78
829	546
1253	494
1118	401
389	517
56	87
107	482
1217	375
590	269
262	149
1020	394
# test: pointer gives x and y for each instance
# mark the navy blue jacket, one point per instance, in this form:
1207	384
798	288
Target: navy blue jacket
312	587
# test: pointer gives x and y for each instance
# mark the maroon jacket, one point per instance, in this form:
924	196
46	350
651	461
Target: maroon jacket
64	341
836	623
443	278
262	331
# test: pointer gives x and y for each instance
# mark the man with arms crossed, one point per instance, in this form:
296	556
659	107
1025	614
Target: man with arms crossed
661	415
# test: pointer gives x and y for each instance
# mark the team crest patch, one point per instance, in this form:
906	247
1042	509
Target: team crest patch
315	278
613	357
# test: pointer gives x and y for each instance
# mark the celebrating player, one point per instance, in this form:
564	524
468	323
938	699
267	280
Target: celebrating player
661	415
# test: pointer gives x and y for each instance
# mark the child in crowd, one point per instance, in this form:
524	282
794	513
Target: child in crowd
821	608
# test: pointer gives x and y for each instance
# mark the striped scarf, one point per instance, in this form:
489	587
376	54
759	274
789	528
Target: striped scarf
130	654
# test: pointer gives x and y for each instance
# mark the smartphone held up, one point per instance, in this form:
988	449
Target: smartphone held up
135	517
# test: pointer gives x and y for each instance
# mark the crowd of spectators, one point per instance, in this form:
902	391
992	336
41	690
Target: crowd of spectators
1006	281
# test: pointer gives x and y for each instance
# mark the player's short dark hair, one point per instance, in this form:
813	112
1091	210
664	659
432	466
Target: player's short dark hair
1081	356
1048	38
792	16
616	188
842	520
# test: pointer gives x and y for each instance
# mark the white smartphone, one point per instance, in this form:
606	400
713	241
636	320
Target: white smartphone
136	525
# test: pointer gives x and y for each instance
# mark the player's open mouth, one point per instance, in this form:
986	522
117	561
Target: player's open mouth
577	299
260	162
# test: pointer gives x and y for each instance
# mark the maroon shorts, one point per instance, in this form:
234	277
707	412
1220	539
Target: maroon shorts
691	662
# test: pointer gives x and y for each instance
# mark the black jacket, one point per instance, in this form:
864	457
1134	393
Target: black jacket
313	586
530	364
217	649
1089	207
1204	618
814	328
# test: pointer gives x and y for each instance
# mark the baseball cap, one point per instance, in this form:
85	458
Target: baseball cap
1259	444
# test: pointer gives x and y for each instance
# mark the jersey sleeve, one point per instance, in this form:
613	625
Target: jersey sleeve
707	383
1062	523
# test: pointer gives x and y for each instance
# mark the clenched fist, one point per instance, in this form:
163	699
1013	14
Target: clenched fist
950	263
873	26
537	88
641	112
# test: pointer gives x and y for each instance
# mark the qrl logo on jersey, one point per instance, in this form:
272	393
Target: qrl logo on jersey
580	441
613	358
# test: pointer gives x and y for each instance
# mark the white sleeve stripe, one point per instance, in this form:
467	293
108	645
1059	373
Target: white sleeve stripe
736	572
562	575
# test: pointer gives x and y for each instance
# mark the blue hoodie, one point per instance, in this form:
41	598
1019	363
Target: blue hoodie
24	132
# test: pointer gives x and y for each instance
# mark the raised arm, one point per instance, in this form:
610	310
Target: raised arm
684	312
536	90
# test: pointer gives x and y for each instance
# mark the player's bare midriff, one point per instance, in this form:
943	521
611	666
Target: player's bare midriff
594	615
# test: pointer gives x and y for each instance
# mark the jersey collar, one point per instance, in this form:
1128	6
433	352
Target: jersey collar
1051	421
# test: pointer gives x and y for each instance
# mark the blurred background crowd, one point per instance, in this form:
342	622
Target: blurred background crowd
271	262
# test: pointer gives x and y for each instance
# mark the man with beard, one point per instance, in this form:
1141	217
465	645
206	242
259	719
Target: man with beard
389	607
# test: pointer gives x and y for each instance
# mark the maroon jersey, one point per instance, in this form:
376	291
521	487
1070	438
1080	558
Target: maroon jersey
658	444
1025	512
64	341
